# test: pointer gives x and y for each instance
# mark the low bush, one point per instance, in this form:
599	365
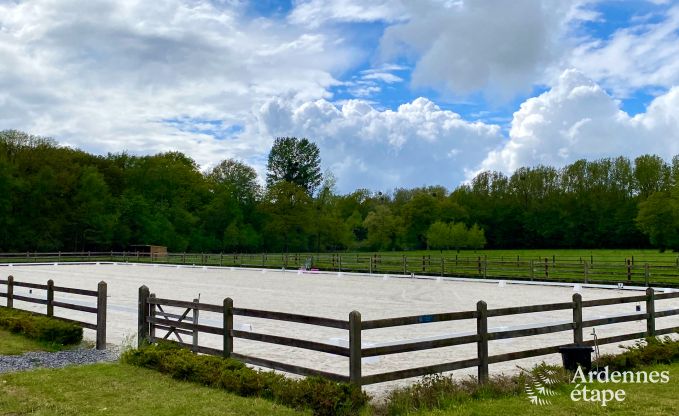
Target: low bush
40	328
323	397
440	392
650	351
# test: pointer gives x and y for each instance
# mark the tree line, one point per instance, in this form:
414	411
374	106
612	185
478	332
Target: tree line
58	198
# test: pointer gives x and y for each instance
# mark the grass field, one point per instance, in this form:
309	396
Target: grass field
119	389
11	344
610	266
123	390
641	399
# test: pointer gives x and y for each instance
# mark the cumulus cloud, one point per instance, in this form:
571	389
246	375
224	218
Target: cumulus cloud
578	119
117	75
501	47
417	144
641	55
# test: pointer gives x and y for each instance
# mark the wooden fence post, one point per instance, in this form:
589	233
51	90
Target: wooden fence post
228	327
355	348
629	270
443	266
532	270
10	292
650	312
196	311
152	313
482	344
577	319
647	273
586	265
50	297
101	315
142	327
546	268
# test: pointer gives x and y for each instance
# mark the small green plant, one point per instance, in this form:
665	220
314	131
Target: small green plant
323	397
40	328
440	392
650	351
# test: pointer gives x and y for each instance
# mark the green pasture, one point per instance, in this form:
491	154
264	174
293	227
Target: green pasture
119	389
628	266
640	399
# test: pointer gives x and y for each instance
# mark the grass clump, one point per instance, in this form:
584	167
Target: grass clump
649	351
441	392
321	396
40	328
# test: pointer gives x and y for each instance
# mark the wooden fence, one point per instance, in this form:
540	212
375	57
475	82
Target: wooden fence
50	303
658	271
150	322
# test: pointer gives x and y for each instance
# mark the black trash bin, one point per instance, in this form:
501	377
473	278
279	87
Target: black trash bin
576	355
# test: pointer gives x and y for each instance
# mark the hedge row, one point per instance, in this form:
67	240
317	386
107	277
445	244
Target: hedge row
321	396
651	351
40	328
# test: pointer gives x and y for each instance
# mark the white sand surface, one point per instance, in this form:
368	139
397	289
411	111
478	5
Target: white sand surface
334	295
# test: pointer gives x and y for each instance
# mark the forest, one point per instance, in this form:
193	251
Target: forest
55	198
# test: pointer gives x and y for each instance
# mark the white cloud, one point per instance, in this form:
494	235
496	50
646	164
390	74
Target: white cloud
577	119
371	81
113	75
314	13
642	55
418	144
205	78
499	47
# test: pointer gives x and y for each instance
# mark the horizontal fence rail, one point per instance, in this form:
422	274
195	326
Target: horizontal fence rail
150	307
50	303
652	271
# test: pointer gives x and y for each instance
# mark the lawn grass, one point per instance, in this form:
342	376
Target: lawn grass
11	344
119	389
641	399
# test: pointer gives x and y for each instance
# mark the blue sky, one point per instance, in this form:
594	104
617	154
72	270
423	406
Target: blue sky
395	92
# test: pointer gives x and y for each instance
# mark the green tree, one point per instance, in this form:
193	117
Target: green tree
459	237
238	178
476	238
288	209
384	228
296	161
95	215
439	236
658	218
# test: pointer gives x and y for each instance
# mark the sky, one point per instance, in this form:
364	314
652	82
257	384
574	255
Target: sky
396	93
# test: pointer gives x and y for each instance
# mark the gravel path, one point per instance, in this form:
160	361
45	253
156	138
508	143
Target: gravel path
31	360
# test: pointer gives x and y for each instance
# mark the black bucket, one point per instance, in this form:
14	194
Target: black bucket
576	355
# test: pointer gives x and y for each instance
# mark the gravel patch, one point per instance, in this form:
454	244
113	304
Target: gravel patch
32	360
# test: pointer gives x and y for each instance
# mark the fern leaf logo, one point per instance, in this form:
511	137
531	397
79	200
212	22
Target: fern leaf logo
537	387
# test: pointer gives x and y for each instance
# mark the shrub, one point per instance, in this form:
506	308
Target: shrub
650	351
439	391
322	396
40	328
